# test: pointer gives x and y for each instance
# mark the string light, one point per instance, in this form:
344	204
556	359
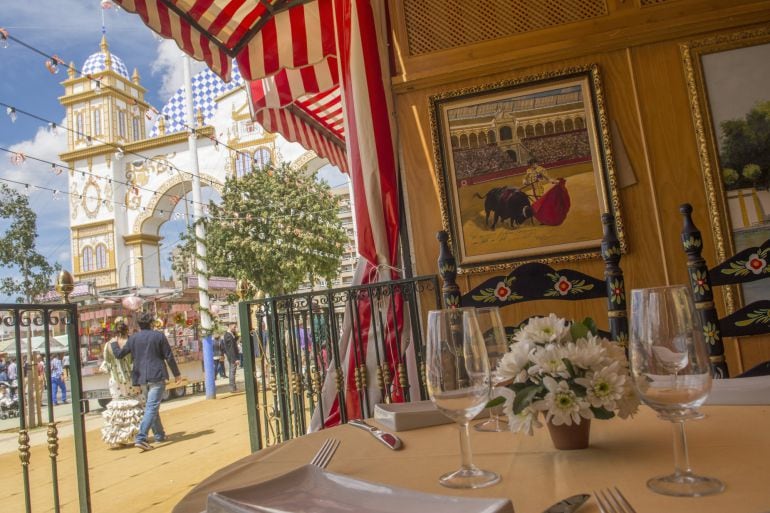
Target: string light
3	38
52	64
133	101
11	114
52	127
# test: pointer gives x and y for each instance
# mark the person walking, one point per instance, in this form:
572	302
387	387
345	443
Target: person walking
231	350
123	414
218	350
151	352
57	382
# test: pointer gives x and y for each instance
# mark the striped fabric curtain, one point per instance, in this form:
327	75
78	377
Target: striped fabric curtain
319	76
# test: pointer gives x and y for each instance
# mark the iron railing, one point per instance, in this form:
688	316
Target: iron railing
293	349
43	320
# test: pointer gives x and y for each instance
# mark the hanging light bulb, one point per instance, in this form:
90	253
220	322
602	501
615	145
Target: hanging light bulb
11	114
26	190
3	38
52	127
55	194
89	142
98	85
119	153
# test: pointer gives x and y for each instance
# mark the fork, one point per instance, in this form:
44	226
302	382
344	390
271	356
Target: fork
325	453
613	501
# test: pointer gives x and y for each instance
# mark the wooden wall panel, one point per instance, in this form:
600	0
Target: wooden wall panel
646	100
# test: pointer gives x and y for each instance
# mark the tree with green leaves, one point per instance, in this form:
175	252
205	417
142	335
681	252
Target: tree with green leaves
744	146
276	228
18	232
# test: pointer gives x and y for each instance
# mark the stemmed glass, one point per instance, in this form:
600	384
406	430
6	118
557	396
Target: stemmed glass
672	375
497	345
458	383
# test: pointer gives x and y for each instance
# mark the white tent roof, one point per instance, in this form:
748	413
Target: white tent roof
58	345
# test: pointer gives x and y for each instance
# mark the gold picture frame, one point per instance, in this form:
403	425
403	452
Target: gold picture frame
525	169
721	73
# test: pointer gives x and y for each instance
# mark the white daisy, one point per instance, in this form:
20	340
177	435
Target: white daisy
561	405
543	330
548	360
628	404
513	363
586	353
604	387
524	422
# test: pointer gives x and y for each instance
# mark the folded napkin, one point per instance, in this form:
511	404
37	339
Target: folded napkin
414	415
405	416
740	391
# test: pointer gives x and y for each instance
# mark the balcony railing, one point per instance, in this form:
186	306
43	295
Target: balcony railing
294	349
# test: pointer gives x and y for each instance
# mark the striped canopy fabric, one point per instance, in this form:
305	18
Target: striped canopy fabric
319	76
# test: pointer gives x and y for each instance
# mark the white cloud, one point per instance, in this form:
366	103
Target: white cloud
169	64
52	213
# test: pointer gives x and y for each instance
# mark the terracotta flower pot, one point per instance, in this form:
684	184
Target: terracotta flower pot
569	438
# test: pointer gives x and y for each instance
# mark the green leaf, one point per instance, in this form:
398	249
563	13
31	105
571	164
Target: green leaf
601	413
497	401
578	330
525	397
591	325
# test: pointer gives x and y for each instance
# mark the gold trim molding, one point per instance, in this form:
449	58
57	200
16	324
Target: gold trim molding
707	144
146	144
603	147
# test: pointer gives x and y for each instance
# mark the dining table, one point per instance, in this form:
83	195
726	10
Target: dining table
731	443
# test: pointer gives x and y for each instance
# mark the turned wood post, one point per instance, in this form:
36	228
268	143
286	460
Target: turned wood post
613	277
702	290
447	268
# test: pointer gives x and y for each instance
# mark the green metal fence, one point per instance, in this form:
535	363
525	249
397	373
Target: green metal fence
293	345
32	320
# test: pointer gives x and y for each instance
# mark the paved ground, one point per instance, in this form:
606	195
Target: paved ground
205	435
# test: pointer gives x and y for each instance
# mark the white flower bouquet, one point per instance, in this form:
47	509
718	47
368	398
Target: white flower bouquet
566	371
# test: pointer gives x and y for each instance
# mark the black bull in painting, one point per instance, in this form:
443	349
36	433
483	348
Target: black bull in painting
506	203
512	203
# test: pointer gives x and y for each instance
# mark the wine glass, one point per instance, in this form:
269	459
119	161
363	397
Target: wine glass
497	345
458	383
671	373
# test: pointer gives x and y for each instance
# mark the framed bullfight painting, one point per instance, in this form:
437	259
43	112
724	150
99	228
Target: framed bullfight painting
525	169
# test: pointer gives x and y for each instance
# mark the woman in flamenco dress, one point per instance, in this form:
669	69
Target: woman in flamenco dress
124	412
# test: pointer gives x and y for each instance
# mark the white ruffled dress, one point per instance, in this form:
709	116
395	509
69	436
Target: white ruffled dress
124	412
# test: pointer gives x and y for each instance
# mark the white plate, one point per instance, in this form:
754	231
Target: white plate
310	489
754	390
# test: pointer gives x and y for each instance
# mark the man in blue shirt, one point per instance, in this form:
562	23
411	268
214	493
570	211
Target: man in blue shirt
57	382
151	351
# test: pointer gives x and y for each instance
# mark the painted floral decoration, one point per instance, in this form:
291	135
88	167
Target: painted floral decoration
563	285
756	264
566	372
700	286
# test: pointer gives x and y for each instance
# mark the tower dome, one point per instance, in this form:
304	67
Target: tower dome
103	60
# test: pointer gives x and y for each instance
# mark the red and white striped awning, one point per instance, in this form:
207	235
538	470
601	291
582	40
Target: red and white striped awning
290	48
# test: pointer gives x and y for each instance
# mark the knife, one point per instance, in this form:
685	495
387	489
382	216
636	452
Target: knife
569	504
389	439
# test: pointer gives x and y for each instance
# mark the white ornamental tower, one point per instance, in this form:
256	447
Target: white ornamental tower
105	113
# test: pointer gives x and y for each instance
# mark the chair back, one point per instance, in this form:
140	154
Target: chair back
536	281
745	266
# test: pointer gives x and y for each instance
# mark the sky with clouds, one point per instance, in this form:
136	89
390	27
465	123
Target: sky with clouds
72	30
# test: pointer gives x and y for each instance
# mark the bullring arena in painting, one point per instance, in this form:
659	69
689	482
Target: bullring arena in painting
511	154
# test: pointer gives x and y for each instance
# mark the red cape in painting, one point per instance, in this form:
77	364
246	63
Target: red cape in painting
552	207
